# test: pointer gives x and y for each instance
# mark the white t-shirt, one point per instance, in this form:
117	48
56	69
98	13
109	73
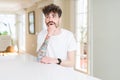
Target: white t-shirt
58	45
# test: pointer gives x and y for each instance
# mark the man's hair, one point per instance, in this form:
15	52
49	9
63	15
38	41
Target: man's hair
52	8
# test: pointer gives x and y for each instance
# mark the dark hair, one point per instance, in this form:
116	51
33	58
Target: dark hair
52	8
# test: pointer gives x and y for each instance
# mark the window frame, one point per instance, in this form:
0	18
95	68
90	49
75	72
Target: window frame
78	55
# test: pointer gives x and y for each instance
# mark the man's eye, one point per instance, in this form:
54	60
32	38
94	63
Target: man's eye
47	17
54	15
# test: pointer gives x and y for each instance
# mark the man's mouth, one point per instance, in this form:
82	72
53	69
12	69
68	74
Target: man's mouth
50	23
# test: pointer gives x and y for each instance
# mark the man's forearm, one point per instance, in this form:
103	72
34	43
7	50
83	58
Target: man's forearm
67	63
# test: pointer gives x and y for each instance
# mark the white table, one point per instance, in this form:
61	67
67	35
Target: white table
24	67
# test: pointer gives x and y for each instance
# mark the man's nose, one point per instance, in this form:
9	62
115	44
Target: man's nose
50	19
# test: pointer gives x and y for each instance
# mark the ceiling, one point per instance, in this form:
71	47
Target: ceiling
13	5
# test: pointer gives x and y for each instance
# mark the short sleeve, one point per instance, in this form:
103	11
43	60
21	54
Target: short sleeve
72	46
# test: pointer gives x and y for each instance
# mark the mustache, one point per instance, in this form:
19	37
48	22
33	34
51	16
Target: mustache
51	22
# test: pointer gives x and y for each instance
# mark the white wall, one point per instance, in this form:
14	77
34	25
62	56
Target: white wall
106	39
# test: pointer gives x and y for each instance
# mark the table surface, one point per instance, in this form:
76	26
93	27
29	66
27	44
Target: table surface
25	67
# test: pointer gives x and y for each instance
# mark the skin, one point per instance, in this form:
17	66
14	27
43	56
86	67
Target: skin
52	21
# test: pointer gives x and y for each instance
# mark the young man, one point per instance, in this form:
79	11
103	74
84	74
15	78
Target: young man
59	44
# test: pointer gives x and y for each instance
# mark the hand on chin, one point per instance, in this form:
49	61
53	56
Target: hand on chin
51	29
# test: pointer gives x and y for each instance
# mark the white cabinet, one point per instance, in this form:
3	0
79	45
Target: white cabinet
5	41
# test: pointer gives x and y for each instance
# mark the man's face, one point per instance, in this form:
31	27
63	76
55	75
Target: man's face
52	20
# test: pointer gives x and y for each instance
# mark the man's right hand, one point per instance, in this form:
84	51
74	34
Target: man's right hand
51	30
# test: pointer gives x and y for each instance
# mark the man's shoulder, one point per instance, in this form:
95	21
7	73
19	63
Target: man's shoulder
67	31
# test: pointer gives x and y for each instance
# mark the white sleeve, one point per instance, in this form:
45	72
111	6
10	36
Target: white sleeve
72	43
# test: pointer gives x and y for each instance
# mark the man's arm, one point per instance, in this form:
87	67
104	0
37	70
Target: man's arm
69	62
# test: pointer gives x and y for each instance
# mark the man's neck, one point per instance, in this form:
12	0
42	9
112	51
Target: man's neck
57	32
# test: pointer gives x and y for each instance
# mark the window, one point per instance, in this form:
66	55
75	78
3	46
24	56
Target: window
14	25
81	35
7	25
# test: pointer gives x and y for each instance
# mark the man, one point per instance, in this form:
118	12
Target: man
60	44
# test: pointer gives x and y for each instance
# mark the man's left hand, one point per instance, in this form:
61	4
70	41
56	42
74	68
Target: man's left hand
49	60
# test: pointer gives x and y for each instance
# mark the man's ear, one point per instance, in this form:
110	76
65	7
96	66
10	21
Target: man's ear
60	20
